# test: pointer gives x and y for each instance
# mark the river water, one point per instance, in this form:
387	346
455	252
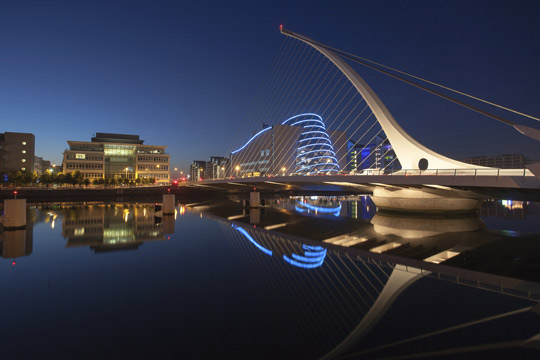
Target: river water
301	278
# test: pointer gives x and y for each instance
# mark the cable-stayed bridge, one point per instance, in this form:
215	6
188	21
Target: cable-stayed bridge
325	128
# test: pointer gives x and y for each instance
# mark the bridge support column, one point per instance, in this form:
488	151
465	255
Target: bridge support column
168	204
425	200
254	199
14	213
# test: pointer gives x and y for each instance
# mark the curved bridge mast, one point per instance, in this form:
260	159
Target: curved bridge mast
411	154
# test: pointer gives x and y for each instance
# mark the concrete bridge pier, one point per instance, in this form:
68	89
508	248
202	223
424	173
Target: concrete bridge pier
14	213
168	204
428	200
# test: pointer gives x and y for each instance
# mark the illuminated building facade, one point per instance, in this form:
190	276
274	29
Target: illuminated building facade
17	151
300	145
376	156
117	156
217	168
196	170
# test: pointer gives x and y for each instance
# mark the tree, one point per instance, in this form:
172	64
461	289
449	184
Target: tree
60	178
77	178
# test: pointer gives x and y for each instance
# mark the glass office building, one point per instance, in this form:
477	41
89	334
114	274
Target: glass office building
117	156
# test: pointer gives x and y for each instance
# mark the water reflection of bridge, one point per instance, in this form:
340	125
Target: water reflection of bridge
359	288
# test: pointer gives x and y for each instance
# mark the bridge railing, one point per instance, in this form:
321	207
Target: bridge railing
415	172
451	172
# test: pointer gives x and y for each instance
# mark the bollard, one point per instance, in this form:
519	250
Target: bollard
14	213
168	203
255	199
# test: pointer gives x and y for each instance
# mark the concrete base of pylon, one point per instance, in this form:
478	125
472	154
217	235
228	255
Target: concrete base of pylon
425	200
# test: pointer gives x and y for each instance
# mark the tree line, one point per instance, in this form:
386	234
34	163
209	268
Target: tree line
75	178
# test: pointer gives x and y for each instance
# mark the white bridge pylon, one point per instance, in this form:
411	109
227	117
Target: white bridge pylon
411	154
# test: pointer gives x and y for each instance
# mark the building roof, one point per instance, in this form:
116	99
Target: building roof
117	138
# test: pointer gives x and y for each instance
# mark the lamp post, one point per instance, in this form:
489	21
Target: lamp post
237	168
283	169
126	169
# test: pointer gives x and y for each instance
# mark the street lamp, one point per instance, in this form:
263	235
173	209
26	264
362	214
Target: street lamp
126	169
237	168
283	169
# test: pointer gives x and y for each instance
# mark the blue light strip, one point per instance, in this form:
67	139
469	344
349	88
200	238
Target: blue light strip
323	125
315	126
322	209
305	114
312	247
313	138
309	259
314	254
321	164
308	145
323	157
315	131
246	234
301	265
312	151
254	136
306	262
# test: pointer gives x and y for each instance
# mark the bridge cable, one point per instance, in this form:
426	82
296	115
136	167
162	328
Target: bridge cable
364	63
430	82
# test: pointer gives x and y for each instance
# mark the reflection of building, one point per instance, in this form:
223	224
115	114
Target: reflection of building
17	151
117	156
300	145
507	161
509	208
105	228
378	155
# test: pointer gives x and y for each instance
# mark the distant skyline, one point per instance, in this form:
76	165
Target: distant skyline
183	74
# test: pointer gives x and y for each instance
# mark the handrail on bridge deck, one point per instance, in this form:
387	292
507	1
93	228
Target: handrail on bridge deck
448	172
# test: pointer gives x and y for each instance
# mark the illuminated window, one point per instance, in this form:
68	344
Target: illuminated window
23	160
24	142
80	156
24	151
23	169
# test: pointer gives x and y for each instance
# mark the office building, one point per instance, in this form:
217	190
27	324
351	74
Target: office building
41	165
117	156
378	155
196	170
17	151
217	168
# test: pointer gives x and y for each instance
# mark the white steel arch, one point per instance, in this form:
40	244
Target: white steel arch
411	154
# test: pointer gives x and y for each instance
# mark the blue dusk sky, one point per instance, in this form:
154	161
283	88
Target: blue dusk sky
184	73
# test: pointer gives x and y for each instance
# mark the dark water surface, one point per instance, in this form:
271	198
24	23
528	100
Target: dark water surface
327	278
